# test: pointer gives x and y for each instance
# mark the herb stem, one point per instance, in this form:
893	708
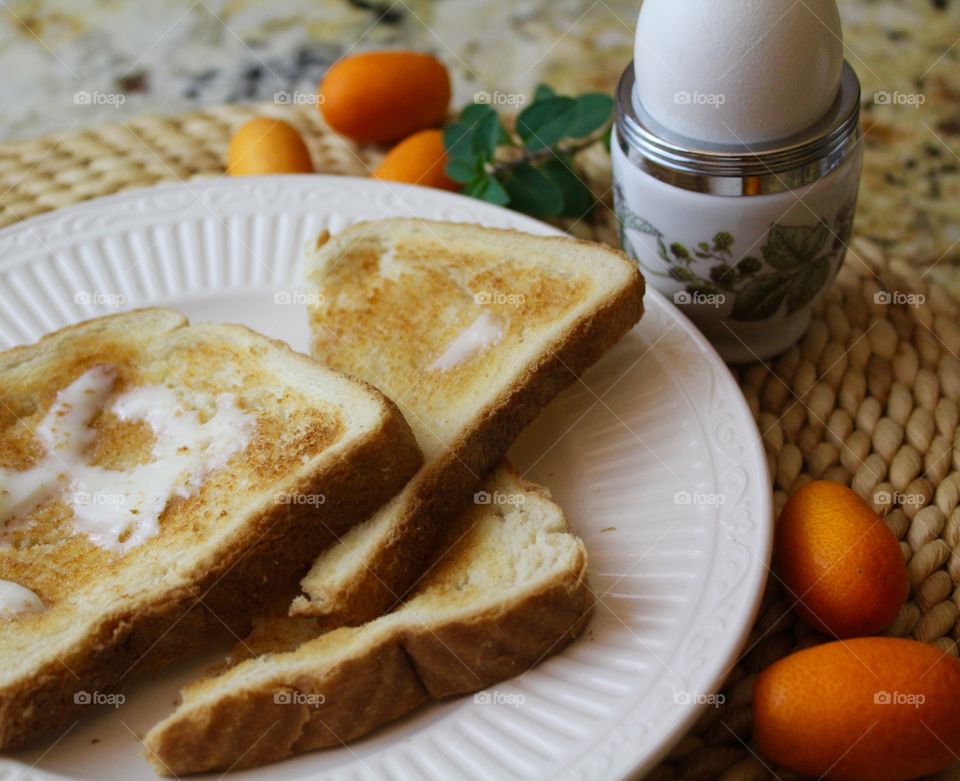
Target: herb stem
539	155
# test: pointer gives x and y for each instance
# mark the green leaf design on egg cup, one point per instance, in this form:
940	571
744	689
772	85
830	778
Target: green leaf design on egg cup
798	261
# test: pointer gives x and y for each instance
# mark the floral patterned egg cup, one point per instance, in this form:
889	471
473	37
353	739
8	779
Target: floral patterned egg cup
745	240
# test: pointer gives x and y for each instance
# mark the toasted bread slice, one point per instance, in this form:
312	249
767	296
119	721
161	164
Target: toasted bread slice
160	480
471	331
509	592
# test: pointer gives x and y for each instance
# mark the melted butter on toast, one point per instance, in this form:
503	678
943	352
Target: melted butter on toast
119	509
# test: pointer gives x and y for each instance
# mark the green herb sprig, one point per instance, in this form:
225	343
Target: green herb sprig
530	167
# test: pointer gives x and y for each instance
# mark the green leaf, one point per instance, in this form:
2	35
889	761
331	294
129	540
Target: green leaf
679	251
482	116
723	241
486	136
458	141
551	117
593	112
487	188
723	274
790	246
476	134
533	192
761	298
542	92
577	198
461	170
805	285
703	288
476	112
749	265
544	188
544	123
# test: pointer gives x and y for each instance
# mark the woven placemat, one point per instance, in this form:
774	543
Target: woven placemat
870	397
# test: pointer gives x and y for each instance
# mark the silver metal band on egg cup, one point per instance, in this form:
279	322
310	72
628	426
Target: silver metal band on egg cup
739	170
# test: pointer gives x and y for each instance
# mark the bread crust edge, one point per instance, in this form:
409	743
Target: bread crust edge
277	547
396	566
395	672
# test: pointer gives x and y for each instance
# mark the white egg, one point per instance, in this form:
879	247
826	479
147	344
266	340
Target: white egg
738	71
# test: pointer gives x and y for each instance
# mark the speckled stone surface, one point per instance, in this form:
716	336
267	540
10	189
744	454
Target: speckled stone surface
69	64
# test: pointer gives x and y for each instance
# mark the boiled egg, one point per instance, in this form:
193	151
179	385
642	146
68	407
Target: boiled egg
738	71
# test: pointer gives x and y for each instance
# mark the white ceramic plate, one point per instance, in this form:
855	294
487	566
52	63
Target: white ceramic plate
654	457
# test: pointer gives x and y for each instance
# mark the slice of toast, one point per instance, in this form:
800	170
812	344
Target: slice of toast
510	591
471	331
159	481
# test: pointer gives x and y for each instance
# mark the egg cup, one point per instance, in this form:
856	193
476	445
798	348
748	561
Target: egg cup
746	239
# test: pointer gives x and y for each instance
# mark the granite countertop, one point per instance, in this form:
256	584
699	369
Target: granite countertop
76	63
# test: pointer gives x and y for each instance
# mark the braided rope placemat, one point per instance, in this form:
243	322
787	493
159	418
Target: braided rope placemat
869	397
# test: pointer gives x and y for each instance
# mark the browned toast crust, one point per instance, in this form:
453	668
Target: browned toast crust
394	675
445	487
265	561
452	481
